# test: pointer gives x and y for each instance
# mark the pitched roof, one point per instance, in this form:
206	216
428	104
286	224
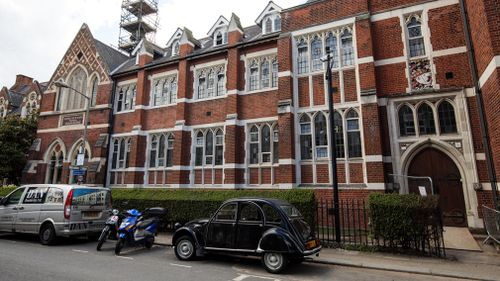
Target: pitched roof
113	58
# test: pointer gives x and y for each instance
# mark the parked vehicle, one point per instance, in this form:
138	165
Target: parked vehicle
137	231
272	229
55	210
110	229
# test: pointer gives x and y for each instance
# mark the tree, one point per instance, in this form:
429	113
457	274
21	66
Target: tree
16	136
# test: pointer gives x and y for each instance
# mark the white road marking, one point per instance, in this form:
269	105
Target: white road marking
125	258
245	276
180	265
80	251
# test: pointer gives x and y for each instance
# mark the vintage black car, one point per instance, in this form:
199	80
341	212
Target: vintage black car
270	228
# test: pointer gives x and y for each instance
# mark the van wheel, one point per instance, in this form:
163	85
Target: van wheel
47	234
274	262
185	248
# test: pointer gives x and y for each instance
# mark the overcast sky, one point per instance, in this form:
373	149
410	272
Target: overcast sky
35	34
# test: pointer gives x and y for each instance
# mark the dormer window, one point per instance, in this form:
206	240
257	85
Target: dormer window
270	19
175	48
220	37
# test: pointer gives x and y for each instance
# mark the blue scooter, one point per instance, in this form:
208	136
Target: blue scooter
135	230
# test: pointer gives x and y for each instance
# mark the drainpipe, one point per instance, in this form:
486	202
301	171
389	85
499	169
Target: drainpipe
111	130
480	106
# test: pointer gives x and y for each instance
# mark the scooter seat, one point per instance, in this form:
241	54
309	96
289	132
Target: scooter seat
145	223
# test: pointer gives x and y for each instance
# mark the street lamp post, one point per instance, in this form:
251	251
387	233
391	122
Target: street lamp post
62	84
333	151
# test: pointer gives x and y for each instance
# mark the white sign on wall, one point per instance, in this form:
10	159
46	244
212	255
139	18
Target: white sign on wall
422	190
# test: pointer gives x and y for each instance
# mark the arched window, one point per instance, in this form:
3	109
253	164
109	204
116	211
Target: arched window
277	23
199	145
153	151
161	151
305	137
254	76
114	161
265	74
353	134
221	83
175	48
209	148
320	135
202	86
347	48
55	165
447	121
415	38
122	154
121	95
266	144
254	145
219	38
93	95
77	81
268	26
331	47
276	144
211	84
302	57
339	135
219	147
170	150
275	73
426	123
316	53
173	91
406	122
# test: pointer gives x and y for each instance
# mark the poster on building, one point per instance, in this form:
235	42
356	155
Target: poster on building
421	75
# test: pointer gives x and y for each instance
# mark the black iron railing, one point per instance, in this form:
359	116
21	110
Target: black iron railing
356	230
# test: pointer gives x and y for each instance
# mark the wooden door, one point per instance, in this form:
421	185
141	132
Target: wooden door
447	183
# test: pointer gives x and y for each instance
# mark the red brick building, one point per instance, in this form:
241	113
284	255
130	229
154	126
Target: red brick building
23	98
86	67
246	107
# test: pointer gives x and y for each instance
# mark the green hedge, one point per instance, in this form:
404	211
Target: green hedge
400	220
184	205
4	190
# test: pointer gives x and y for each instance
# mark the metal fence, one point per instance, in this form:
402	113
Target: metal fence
356	230
491	218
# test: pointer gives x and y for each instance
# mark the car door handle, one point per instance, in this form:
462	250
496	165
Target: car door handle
20	208
15	208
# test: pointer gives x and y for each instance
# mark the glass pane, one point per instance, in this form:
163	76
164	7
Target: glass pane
199	156
305	146
447	122
406	123
219	154
302	59
352	125
209	145
54	196
339	135
35	195
354	141
227	213
320	130
426	120
316	54
322	152
254	153
15	197
305	128
266	139
250	213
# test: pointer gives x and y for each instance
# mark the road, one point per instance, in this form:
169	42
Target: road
23	258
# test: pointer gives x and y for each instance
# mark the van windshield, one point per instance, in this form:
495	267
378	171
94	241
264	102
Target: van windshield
90	197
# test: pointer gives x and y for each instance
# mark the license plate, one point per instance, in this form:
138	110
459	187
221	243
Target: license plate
90	215
311	244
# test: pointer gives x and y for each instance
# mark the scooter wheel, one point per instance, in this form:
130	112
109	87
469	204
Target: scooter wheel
102	237
149	242
119	246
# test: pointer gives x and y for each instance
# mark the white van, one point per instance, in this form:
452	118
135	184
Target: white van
51	210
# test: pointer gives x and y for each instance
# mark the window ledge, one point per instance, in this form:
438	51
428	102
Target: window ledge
209	99
263	90
124	112
161	106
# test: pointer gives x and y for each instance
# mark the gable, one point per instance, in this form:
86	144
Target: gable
83	52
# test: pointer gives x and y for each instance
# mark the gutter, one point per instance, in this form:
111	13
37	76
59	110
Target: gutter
480	106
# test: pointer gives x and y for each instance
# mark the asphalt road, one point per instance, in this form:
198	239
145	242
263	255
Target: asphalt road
23	258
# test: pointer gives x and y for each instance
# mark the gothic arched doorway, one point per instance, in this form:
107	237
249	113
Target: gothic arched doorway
447	182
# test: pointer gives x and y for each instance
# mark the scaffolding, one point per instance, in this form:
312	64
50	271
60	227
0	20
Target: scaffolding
139	19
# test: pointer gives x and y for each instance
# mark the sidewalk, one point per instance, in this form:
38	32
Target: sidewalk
458	264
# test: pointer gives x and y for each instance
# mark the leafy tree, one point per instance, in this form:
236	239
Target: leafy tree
16	136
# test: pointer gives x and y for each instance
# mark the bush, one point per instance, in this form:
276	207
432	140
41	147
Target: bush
184	205
4	190
403	220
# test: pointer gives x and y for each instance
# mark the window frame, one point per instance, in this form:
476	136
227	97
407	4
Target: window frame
125	100
154	149
420	24
219	82
120	160
256	138
256	79
218	143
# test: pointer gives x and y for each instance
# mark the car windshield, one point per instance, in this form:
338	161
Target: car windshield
291	211
90	197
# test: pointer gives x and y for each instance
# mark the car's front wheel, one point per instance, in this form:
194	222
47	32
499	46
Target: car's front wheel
185	248
274	262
